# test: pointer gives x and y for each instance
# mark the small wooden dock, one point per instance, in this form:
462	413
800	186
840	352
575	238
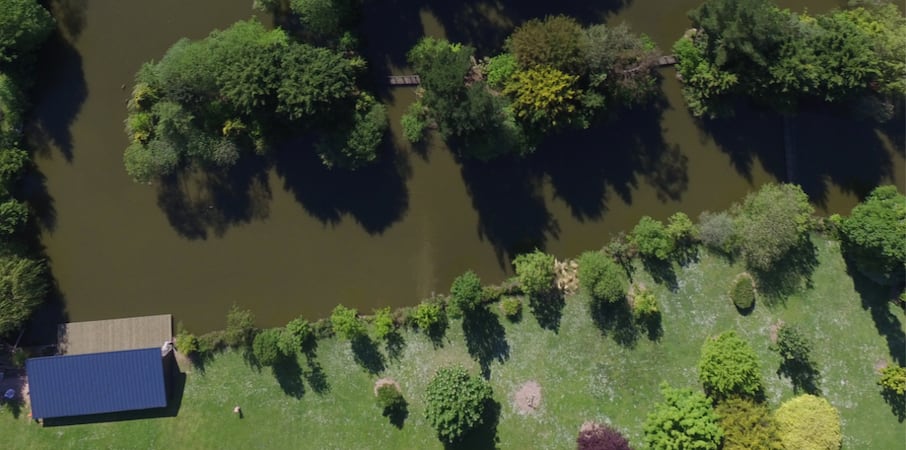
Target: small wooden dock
403	80
667	60
98	336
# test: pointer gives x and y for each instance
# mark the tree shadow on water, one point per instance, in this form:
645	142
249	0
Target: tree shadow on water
367	355
485	338
376	195
200	202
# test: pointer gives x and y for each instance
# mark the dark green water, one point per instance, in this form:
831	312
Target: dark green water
289	237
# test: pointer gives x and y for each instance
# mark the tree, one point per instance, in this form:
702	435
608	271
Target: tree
429	317
266	347
771	222
619	64
313	80
554	42
326	18
296	336
240	328
544	97
23	286
536	272
807	422
383	323
873	234
792	345
601	437
717	231
681	229
729	366
652	239
601	277
684	420
747	425
456	402
500	69
706	87
355	146
465	292
346	324
24	25
893	380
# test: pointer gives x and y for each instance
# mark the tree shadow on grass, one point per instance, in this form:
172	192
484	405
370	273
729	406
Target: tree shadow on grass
875	298
616	320
789	274
289	376
14	406
366	354
315	376
485	338
548	309
897	403
483	436
395	345
803	375
661	272
397	413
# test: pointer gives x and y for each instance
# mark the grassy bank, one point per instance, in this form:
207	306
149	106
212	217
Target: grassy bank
326	402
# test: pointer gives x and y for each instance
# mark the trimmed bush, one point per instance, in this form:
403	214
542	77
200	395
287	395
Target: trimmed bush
536	272
465	292
266	346
729	366
240	329
807	422
456	402
511	307
428	316
684	420
743	293
747	425
383	323
792	345
601	277
644	305
346	324
601	437
652	239
893	380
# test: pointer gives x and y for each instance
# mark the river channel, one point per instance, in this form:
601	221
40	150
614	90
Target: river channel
287	237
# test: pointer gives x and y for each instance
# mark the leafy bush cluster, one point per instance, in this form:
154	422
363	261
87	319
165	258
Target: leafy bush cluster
466	292
873	233
346	323
456	402
511	307
893	381
808	422
747	425
601	277
429	316
684	419
644	305
390	400
729	367
536	273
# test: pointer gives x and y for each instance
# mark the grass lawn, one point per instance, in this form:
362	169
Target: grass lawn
584	373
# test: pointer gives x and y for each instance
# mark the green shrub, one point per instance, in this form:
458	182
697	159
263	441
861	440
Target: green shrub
792	345
717	231
346	324
428	316
511	307
266	346
465	292
684	420
390	399
456	402
644	305
240	329
681	229
414	123
743	293
186	343
601	277
771	222
747	425
536	272
499	70
383	323
729	366
873	234
211	342
893	380
296	335
807	422
652	239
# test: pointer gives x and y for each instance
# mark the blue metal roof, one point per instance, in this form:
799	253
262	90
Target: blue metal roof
75	385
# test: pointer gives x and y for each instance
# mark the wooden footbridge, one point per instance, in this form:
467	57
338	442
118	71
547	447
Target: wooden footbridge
414	80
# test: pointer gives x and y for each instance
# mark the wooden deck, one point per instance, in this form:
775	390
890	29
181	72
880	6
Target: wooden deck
403	80
111	335
668	60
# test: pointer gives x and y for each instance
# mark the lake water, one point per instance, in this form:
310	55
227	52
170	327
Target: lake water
286	237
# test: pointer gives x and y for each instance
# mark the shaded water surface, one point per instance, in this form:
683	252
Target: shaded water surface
285	236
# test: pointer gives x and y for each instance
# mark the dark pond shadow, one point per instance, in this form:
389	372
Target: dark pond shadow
512	215
366	354
59	92
830	147
33	189
42	326
485	338
171	410
876	299
483	436
70	16
804	376
789	274
547	309
199	203
289	376
616	320
375	196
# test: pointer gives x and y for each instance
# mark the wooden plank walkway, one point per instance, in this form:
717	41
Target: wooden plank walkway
667	60
403	80
111	335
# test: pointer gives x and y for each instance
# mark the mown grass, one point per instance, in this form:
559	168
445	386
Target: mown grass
584	374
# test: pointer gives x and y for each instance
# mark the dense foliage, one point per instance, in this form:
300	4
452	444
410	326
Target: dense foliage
384	325
602	278
536	272
652	239
644	305
456	402
465	292
771	222
807	422
23	286
893	381
755	50
683	420
296	336
346	323
873	234
428	317
729	366
792	345
205	102
743	292
717	231
511	307
24	25
240	327
390	400
747	425
601	437
266	346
